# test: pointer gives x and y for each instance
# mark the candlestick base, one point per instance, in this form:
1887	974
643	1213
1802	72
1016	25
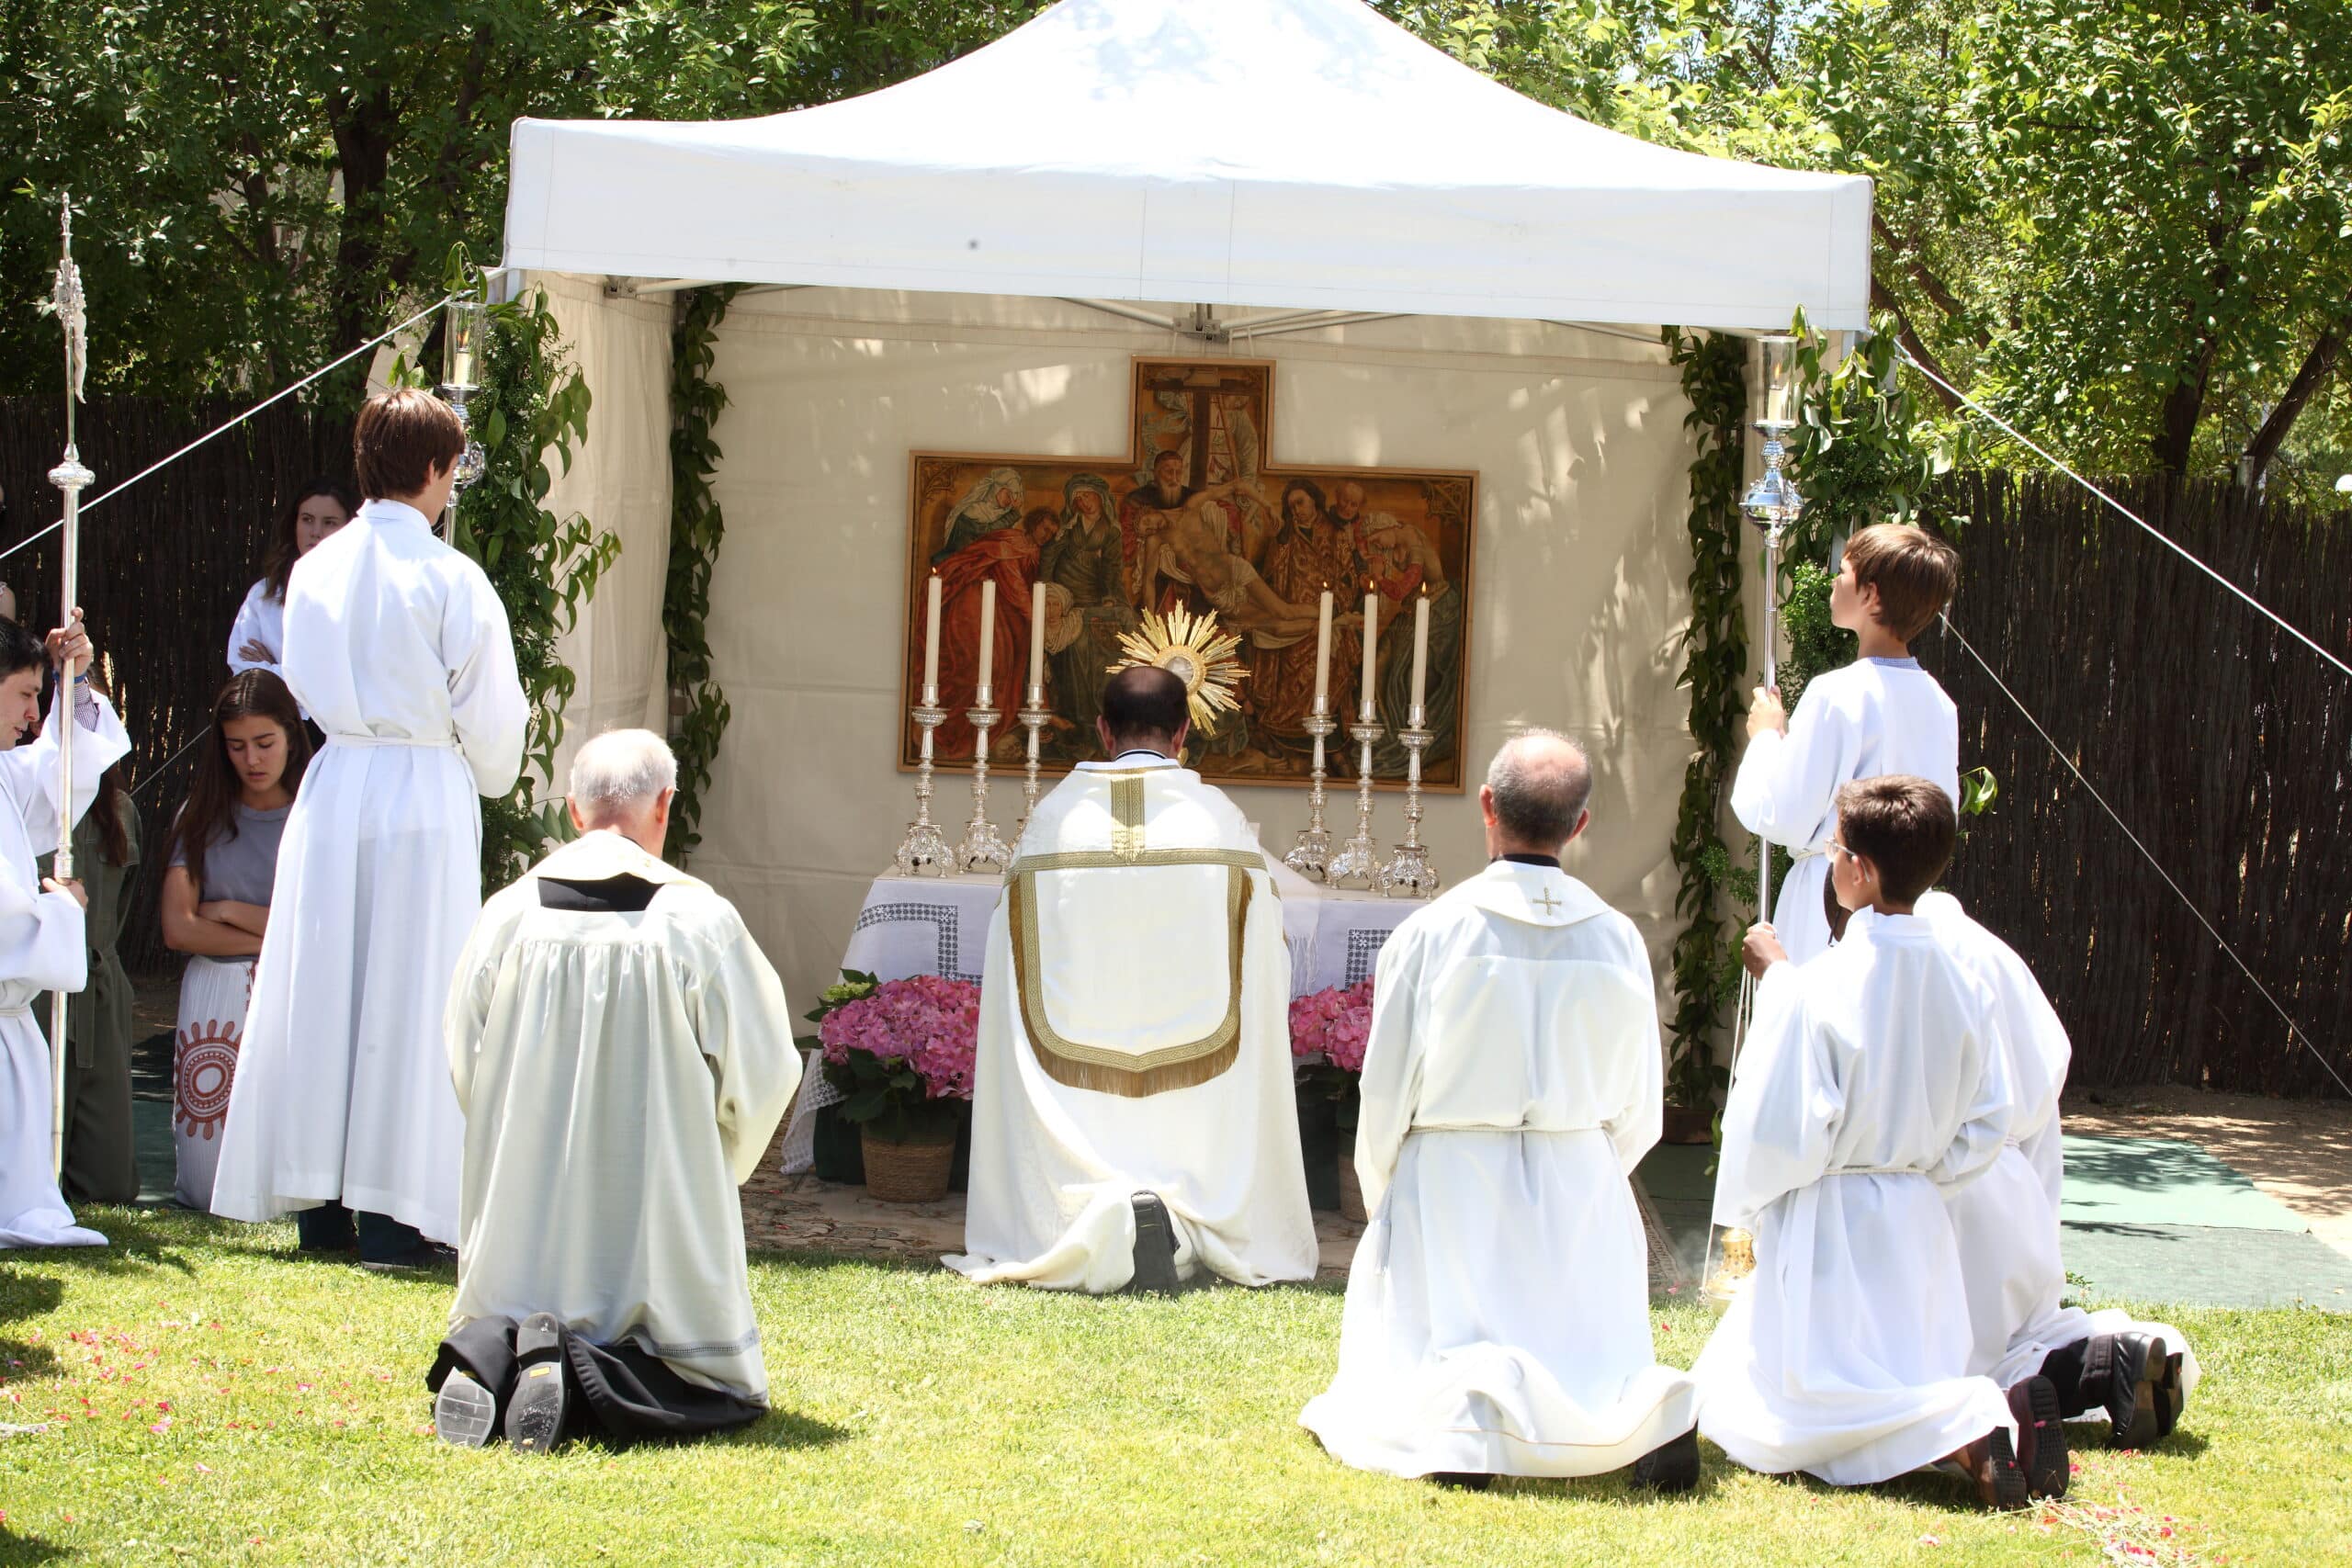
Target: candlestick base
1312	854
924	852
983	848
1409	873
1356	868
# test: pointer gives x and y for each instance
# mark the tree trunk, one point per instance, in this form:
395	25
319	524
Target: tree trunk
365	129
2318	366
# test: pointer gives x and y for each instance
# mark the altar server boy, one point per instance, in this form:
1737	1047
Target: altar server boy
2137	1374
1875	1081
1880	715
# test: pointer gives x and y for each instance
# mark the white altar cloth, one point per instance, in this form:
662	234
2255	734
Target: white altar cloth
938	925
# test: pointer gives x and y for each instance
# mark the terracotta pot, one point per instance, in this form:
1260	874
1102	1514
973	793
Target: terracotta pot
1350	1190
907	1173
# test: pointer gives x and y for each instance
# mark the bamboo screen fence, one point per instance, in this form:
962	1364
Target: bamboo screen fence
164	566
2225	745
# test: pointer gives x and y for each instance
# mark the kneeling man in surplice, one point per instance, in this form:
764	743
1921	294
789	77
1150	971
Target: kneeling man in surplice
1132	1119
1497	1317
622	1054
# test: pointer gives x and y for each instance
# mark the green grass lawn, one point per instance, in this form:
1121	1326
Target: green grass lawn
209	1397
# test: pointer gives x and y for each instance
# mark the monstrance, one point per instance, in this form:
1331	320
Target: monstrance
1190	648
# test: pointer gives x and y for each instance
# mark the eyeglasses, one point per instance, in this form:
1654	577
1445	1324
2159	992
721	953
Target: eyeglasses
1835	847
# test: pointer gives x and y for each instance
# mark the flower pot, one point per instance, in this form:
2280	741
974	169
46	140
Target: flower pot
1350	1190
907	1173
836	1156
1688	1125
1319	1147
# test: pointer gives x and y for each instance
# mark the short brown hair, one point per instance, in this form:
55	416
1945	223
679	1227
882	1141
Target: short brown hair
402	435
1905	825
1915	572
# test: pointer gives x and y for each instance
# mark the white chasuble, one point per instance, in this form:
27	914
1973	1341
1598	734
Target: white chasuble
621	1070
398	645
1875	1081
1872	718
1134	1036
2007	1222
42	949
1496	1318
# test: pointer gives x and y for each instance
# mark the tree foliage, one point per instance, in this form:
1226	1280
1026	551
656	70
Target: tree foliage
261	182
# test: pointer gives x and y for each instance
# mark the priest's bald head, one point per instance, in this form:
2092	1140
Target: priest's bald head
1535	793
1144	710
624	780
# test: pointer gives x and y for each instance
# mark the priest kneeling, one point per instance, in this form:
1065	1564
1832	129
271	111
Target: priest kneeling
1498	1318
623	1053
1132	1119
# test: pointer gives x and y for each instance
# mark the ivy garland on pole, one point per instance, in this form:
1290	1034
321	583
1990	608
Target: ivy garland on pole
533	401
1714	379
699	711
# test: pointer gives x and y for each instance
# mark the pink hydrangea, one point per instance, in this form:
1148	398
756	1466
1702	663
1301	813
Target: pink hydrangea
1333	1025
929	1021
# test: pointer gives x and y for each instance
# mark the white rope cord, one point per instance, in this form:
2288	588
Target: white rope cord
280	397
2292	1028
166	766
2159	535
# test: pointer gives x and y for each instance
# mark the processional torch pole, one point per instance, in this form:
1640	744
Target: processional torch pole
1772	504
72	478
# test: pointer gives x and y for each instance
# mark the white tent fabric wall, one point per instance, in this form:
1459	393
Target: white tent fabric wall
1305	154
1579	593
620	479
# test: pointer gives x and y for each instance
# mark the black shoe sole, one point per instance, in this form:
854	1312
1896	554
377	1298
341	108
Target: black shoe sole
2009	1490
2169	1396
536	1410
2141	1423
1669	1467
2047	1473
1154	1253
464	1412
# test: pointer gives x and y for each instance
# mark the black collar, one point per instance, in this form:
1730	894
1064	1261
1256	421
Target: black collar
1551	861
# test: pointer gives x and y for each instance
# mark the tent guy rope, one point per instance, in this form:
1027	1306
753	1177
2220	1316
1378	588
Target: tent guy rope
2159	535
34	538
2292	1027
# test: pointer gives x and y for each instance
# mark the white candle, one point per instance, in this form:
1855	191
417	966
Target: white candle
1371	646
930	648
1036	644
988	638
1420	656
1323	658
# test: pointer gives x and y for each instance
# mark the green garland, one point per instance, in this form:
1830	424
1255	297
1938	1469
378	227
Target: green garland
1706	970
695	529
533	401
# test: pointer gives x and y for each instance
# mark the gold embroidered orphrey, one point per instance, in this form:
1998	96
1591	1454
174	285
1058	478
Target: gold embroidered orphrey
1076	1063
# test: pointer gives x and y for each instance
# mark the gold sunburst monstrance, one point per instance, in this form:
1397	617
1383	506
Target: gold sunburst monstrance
1191	649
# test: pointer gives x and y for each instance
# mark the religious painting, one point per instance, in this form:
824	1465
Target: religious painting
1197	514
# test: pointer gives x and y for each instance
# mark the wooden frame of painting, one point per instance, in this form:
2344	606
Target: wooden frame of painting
1195	513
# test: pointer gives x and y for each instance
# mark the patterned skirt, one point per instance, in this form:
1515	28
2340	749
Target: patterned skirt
214	993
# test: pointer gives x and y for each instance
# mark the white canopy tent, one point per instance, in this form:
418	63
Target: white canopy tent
1297	154
968	261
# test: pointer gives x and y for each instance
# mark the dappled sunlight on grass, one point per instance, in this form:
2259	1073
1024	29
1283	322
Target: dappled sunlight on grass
204	1394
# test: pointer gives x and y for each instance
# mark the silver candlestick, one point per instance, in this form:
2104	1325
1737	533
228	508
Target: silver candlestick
983	848
924	852
1034	717
1410	873
1357	865
1312	853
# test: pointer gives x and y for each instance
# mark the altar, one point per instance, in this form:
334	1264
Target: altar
939	925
